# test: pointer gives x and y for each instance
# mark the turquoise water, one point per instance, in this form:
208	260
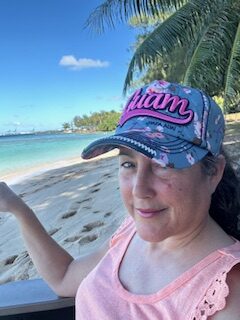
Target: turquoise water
22	152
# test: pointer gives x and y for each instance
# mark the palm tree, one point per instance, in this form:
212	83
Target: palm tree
208	29
171	67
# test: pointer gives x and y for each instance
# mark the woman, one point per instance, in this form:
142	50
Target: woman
175	256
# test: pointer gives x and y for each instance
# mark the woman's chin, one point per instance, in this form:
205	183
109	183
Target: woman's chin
150	234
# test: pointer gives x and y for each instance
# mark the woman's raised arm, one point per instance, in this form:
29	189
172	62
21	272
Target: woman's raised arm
54	264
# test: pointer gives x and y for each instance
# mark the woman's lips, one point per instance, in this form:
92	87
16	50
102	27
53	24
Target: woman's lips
148	213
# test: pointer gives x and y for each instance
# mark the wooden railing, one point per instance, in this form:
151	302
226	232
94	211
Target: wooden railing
33	299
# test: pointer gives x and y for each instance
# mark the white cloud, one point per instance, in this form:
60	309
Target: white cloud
77	64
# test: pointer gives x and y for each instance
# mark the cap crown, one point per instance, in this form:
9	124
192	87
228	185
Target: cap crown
179	111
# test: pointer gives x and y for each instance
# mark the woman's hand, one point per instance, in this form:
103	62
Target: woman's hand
9	201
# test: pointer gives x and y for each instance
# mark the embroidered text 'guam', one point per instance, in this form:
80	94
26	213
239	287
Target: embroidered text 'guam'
164	106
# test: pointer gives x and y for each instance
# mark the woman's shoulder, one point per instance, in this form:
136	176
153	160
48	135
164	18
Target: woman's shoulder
232	250
221	299
232	308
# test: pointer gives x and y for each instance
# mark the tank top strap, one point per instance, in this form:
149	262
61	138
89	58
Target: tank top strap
126	228
215	296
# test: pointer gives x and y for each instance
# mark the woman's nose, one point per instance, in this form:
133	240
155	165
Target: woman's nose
143	185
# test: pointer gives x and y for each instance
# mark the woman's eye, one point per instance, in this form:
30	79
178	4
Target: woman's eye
161	171
127	165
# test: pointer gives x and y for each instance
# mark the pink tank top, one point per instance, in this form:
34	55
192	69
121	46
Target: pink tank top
196	294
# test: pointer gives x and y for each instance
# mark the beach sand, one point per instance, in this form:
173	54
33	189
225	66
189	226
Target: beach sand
78	204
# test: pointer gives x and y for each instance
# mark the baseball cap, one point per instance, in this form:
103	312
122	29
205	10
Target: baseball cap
172	124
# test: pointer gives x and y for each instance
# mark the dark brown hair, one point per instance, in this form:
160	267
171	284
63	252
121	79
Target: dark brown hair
225	204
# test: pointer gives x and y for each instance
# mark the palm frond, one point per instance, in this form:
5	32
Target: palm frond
178	30
208	62
232	84
111	12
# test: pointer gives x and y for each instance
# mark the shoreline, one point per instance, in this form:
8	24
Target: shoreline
22	174
32	155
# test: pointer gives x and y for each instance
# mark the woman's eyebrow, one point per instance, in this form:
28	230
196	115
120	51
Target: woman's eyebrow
125	152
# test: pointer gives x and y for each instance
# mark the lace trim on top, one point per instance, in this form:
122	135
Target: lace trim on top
214	299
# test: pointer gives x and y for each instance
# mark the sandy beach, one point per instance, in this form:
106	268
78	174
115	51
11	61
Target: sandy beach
79	205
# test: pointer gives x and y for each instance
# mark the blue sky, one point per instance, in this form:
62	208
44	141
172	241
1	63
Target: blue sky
51	69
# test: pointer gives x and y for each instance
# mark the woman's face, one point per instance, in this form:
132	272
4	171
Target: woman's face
164	202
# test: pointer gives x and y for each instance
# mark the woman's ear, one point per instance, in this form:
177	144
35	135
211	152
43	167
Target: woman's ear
220	166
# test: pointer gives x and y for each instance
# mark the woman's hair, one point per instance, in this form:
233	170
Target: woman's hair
225	204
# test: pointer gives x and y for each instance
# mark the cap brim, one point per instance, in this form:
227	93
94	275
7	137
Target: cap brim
167	150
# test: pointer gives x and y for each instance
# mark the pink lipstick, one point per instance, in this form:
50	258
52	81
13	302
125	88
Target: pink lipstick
148	213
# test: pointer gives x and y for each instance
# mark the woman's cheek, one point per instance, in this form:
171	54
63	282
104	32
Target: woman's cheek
125	187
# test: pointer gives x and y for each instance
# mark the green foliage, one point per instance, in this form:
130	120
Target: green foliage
232	92
98	121
202	37
171	66
66	125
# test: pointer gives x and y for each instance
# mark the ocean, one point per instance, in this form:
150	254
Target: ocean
23	153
